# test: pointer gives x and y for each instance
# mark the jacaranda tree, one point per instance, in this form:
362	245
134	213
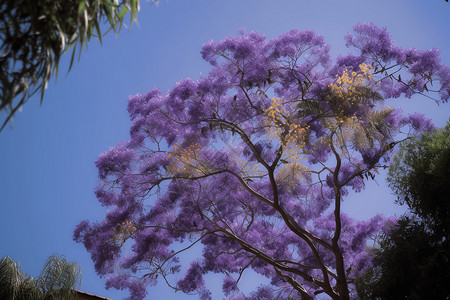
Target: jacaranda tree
252	162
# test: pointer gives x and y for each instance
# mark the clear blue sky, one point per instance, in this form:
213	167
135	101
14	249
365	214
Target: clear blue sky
47	171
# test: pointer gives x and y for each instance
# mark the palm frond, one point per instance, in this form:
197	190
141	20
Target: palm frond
15	285
59	278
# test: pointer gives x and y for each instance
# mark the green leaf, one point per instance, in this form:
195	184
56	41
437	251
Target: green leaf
72	56
109	16
134	10
122	13
97	28
120	17
81	6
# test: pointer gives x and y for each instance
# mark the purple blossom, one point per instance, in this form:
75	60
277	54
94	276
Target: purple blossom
228	286
371	156
374	40
207	165
420	123
263	293
361	262
349	62
136	287
422	61
116	159
293	43
395	118
97	241
444	77
143	104
193	279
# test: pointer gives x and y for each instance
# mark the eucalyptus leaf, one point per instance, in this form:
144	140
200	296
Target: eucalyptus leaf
31	57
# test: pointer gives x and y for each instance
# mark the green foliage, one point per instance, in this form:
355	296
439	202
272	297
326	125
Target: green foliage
410	263
34	35
13	283
413	258
56	281
420	176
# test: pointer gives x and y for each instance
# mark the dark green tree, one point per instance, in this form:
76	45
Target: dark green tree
58	280
413	258
35	34
420	177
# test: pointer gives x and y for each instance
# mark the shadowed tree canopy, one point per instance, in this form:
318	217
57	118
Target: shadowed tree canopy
251	163
35	34
413	259
420	176
58	280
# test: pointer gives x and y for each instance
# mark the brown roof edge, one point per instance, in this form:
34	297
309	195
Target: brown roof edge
91	295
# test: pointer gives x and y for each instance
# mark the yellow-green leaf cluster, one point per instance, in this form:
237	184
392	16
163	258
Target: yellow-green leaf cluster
351	89
123	232
292	136
184	160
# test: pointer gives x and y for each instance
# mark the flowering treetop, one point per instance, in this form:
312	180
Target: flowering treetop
253	161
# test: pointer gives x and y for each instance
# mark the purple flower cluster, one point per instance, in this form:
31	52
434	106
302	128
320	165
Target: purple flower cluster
422	66
136	286
256	182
